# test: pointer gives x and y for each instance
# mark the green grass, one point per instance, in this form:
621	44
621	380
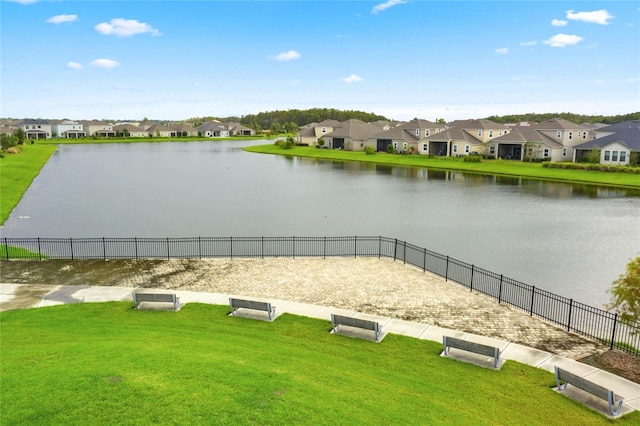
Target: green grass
11	252
106	363
488	167
17	171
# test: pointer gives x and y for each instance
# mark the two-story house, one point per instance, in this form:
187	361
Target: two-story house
68	129
36	129
462	137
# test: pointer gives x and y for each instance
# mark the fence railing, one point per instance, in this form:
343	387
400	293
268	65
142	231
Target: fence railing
574	316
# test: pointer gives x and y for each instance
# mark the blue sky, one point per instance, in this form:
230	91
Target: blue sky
403	59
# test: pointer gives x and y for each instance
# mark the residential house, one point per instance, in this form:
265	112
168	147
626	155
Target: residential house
311	133
237	129
350	135
68	129
550	140
616	144
462	137
405	136
185	130
213	129
162	131
98	128
36	129
129	130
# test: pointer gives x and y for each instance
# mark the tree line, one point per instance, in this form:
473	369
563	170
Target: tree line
574	118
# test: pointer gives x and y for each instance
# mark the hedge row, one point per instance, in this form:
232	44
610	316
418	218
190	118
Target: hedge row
595	167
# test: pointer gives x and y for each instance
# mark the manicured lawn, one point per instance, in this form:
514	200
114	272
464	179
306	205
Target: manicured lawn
106	363
17	171
491	167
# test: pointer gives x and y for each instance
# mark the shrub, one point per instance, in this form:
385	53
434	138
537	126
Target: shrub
369	150
390	149
472	159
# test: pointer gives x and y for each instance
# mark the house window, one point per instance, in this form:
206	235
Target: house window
559	134
623	156
607	155
417	132
455	148
479	133
466	149
405	146
490	133
324	130
425	147
492	150
395	146
584	135
614	156
564	152
570	135
427	133
546	152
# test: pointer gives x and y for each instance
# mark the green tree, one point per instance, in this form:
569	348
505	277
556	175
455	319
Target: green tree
625	293
20	135
7	141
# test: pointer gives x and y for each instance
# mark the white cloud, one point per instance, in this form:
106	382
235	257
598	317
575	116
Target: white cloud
528	43
559	23
125	28
596	17
286	56
59	19
386	5
23	1
74	66
502	51
104	63
353	78
562	40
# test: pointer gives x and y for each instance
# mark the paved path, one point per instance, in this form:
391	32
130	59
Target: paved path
14	296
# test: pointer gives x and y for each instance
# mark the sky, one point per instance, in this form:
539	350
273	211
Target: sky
173	60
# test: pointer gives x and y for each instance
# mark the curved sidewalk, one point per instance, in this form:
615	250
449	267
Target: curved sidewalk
17	296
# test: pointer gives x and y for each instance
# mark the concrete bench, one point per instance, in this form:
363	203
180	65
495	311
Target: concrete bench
138	298
338	320
236	304
600	391
478	348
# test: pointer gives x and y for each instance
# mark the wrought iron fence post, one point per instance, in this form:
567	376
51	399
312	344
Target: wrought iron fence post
395	249
424	261
404	252
39	250
355	247
324	248
104	249
471	285
446	270
168	250
613	334
533	293
379	246
71	246
231	247
200	248
569	319
294	246
262	247
135	245
500	291
6	248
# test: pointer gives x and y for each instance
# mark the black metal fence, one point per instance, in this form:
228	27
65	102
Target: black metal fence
574	316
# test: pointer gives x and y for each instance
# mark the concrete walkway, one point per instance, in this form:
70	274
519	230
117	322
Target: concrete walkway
17	296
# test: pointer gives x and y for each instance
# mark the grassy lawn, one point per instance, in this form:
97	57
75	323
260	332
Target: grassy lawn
109	364
17	171
491	167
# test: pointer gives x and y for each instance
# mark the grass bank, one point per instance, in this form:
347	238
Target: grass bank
487	167
17	171
110	364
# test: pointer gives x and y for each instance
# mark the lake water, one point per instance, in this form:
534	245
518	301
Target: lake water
569	239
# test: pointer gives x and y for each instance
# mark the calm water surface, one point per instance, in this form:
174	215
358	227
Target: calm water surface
571	240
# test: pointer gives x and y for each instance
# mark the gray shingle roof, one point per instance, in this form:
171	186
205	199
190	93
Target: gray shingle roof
629	137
